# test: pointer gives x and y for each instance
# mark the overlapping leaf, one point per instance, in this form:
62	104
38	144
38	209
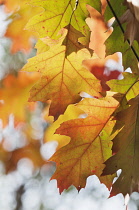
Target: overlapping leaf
59	60
58	14
116	43
71	112
129	86
102	70
126	147
63	78
72	40
89	147
99	31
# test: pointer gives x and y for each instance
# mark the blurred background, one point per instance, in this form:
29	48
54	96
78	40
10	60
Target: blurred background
24	127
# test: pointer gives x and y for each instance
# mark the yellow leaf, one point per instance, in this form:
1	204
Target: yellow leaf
71	112
63	77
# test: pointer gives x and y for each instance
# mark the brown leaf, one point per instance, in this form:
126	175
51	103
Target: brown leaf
126	152
131	17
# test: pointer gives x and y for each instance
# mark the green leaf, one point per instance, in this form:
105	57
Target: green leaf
118	8
116	42
129	86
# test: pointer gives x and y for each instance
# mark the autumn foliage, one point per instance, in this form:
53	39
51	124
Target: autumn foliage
78	73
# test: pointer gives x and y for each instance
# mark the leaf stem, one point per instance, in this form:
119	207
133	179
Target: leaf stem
75	7
121	27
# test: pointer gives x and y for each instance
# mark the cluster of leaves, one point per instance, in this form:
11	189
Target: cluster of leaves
73	49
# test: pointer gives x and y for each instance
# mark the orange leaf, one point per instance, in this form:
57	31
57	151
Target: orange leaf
99	31
15	93
21	38
31	151
88	149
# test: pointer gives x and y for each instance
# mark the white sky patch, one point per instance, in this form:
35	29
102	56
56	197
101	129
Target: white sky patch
85	95
13	137
118	174
3	21
83	115
128	70
48	149
112	65
25	167
134	2
127	199
31	199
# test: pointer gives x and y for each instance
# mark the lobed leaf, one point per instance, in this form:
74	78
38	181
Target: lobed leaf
72	112
99	31
58	14
126	147
105	69
128	86
72	40
89	146
63	78
116	42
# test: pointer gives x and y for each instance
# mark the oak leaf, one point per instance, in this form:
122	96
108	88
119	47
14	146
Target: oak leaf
89	146
59	14
99	31
63	77
125	148
105	69
128	86
72	112
116	43
131	17
72	40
